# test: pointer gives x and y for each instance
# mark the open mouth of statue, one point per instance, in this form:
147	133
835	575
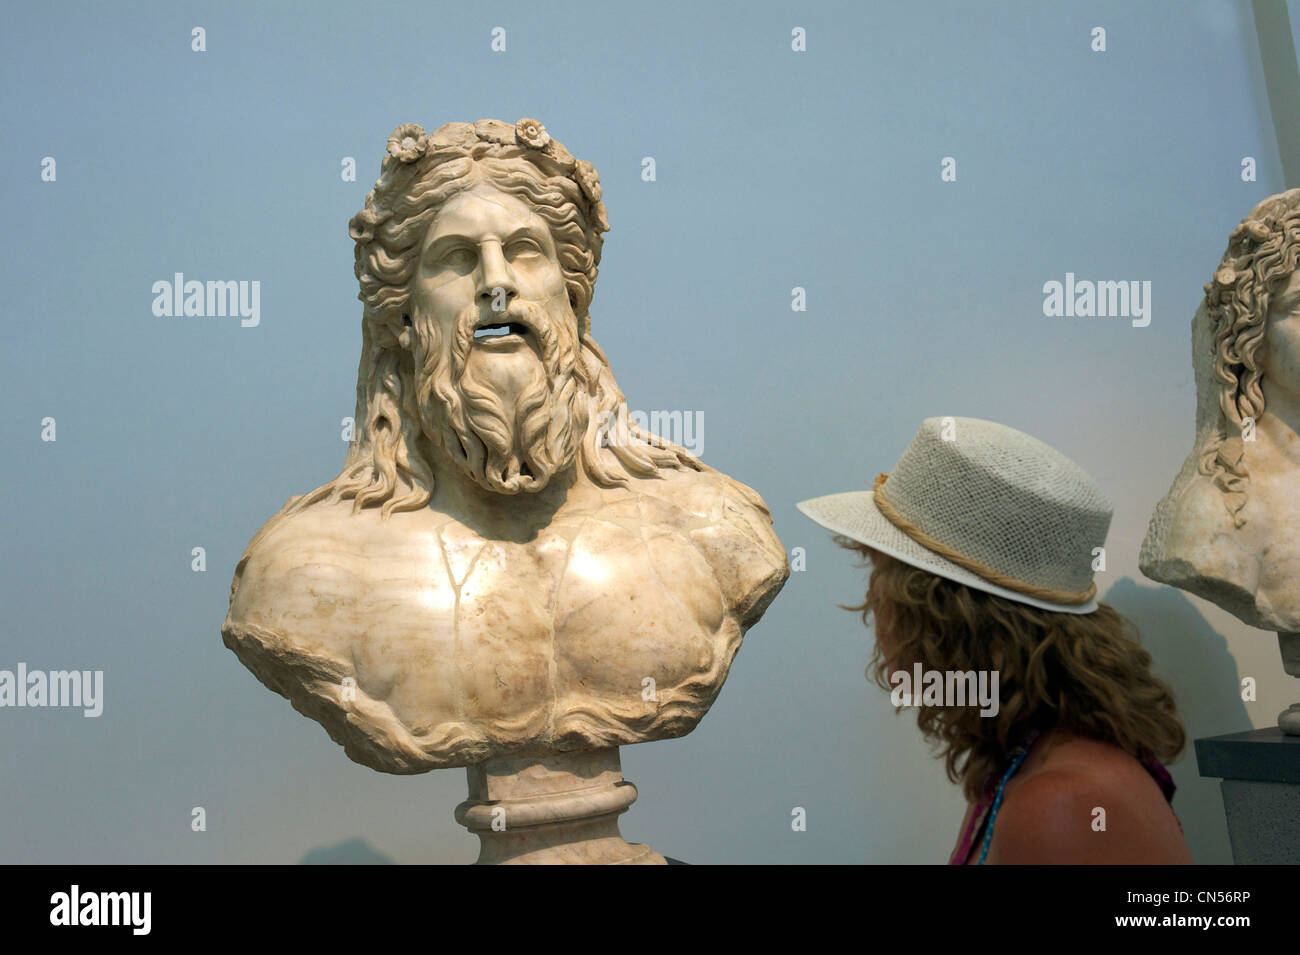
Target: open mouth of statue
500	333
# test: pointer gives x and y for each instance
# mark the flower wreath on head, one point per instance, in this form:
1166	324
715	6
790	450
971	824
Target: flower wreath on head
409	143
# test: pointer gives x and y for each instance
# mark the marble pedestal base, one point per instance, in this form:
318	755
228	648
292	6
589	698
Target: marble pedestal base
1261	793
561	809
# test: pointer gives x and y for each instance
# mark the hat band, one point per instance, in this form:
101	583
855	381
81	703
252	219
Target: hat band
1067	597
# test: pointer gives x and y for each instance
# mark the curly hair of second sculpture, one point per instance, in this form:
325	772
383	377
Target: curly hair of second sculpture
1262	252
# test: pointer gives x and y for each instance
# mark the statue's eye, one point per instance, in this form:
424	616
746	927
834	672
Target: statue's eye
523	247
458	256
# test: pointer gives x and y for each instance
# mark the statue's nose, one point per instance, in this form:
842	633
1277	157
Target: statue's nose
496	274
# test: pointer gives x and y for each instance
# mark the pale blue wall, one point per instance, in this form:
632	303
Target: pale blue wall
775	170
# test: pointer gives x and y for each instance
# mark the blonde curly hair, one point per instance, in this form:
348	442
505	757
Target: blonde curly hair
1084	673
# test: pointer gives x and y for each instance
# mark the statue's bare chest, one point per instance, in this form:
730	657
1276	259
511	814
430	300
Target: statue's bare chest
500	626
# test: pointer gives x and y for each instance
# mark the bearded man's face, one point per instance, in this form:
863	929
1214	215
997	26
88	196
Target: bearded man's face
495	342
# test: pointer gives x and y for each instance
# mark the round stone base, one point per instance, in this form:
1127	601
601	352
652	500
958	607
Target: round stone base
561	809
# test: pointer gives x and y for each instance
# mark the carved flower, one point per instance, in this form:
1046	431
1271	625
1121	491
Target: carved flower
360	229
362	226
1256	230
1226	275
587	178
407	143
529	132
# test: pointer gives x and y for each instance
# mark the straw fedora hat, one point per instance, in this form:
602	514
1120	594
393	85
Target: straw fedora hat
986	506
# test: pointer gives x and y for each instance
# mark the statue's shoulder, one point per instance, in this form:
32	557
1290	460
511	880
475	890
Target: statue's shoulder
327	554
1203	533
731	526
704	493
295	553
1200	549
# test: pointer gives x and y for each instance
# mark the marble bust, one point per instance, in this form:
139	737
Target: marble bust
506	566
1229	528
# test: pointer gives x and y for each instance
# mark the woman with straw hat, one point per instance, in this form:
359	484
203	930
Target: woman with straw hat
982	544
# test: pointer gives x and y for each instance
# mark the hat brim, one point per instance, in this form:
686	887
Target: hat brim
855	515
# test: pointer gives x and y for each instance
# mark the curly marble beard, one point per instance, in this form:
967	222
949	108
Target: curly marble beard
503	448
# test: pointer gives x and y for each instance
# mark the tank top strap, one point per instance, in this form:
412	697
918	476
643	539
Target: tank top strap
962	852
1161	775
986	809
1018	755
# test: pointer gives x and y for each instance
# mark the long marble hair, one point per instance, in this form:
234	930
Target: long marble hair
1262	253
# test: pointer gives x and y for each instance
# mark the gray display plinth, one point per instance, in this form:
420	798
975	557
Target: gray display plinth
1260	771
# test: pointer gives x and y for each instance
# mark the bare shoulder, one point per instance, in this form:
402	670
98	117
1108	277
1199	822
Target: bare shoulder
1088	803
732	528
